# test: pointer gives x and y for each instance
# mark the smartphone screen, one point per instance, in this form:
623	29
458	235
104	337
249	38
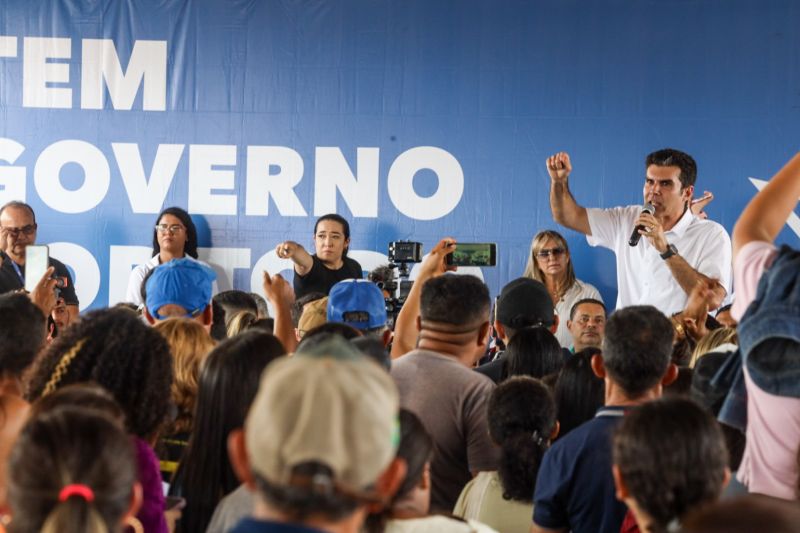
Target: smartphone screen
36	259
474	254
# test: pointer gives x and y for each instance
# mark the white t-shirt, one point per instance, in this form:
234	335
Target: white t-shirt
642	276
134	292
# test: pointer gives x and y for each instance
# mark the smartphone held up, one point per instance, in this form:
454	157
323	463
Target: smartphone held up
478	254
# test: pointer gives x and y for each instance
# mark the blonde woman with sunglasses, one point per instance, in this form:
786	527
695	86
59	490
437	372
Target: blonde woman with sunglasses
549	262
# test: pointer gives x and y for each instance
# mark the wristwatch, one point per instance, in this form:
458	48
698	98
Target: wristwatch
669	252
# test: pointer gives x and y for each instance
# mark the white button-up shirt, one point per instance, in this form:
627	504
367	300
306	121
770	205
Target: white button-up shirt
642	276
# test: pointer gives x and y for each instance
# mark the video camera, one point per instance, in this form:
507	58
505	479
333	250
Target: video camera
396	286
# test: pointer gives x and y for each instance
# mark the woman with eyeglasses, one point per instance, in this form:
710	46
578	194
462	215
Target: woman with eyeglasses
174	237
550	263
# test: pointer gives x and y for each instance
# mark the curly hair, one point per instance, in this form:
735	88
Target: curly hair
189	343
68	446
671	455
522	415
116	350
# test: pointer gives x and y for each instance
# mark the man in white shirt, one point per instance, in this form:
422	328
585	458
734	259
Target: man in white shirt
677	250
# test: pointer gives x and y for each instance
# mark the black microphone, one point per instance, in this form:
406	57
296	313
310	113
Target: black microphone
635	236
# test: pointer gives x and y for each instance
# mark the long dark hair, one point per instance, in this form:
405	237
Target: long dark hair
228	384
67	446
190	248
579	393
533	352
522	416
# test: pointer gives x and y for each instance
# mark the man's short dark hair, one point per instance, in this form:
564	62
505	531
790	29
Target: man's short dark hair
19	205
21	333
460	300
671	455
586	301
669	157
301	502
637	348
234	301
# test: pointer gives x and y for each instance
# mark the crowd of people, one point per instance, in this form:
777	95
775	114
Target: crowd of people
191	410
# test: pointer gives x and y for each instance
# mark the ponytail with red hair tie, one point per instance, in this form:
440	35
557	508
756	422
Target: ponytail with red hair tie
76	489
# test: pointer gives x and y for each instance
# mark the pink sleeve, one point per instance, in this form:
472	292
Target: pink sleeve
752	260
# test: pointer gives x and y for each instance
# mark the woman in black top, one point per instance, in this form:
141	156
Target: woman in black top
329	264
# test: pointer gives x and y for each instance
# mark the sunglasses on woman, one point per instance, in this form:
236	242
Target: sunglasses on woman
547	252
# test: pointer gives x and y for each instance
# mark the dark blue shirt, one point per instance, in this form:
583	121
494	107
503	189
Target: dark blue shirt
575	487
251	525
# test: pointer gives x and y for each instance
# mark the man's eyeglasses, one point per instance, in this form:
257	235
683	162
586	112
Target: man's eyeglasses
164	228
547	252
28	230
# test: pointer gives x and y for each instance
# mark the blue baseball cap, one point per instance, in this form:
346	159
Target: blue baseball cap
358	303
182	282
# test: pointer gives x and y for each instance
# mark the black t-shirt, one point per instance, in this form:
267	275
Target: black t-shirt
321	278
10	280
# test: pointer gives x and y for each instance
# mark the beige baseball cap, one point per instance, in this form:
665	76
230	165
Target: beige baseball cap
328	404
314	314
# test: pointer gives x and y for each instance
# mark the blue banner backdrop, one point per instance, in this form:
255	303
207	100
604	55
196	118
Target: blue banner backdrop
413	119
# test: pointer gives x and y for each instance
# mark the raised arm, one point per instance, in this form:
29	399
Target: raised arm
291	250
280	294
687	277
44	295
685	274
767	212
405	326
566	210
